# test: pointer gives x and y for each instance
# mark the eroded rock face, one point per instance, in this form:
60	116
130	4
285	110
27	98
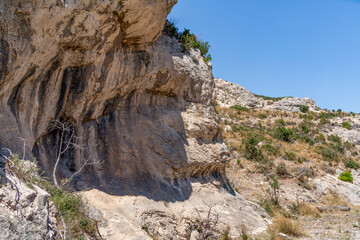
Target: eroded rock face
229	94
25	213
140	106
347	191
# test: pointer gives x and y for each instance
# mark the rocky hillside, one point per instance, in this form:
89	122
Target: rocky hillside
229	94
299	162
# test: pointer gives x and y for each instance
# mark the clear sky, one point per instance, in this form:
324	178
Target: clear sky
299	48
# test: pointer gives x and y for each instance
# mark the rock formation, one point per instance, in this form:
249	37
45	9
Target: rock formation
229	94
136	102
140	107
25	212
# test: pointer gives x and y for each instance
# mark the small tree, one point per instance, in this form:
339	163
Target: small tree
274	191
68	140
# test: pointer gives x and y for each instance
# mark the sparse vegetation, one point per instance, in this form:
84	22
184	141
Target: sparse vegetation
352	164
275	99
188	40
346	125
290	155
287	226
284	134
281	169
267	138
274	192
252	151
304	108
70	206
240	108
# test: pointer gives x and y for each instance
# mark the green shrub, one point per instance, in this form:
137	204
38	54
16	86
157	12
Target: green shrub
240	108
237	128
346	177
283	134
320	138
351	164
304	108
252	151
189	40
324	121
308	140
268	206
334	138
280	122
271	149
290	155
305	129
326	115
204	49
262	116
274	191
338	148
328	154
281	169
170	29
275	99
346	125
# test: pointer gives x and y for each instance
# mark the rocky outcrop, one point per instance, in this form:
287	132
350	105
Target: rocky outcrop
229	94
332	185
351	135
25	213
149	219
136	102
292	104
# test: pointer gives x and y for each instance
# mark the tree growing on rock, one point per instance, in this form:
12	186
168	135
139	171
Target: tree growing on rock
68	140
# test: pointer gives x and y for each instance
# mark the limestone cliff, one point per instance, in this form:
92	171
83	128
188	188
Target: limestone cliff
138	104
229	94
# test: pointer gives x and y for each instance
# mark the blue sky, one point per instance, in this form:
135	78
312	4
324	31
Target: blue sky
300	48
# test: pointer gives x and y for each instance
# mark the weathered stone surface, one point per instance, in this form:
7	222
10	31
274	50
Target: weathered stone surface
167	220
293	104
139	104
347	191
229	94
347	135
336	208
24	212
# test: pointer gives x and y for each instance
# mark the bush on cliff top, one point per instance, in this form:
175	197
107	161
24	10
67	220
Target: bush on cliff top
188	40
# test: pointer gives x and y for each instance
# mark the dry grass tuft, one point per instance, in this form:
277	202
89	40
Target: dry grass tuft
334	200
285	225
308	210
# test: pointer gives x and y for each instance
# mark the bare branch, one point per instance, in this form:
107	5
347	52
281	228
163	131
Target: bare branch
65	144
24	147
86	163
